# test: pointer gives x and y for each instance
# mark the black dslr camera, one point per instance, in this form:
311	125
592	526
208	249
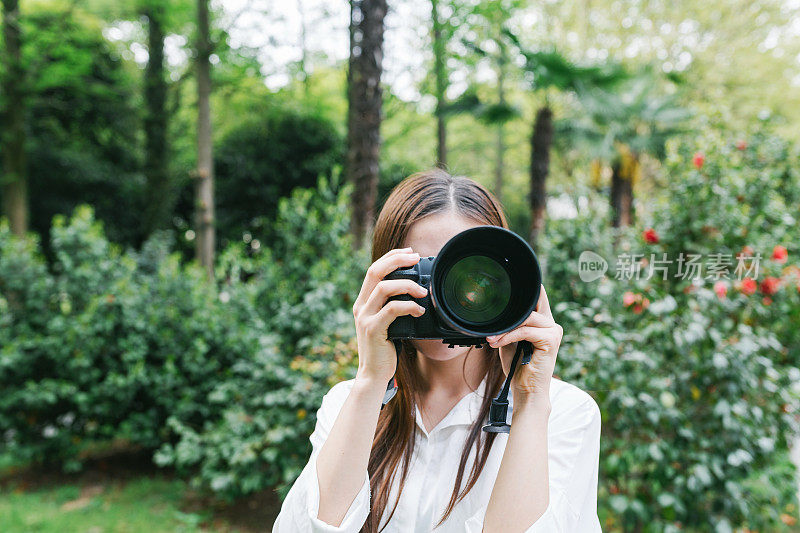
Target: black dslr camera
485	281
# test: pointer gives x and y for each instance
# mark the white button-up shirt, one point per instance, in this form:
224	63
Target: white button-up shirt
573	440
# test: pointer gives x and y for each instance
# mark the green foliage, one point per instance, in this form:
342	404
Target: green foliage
638	113
302	290
81	121
87	356
262	160
698	386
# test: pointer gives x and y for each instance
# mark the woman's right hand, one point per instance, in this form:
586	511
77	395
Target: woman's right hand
377	359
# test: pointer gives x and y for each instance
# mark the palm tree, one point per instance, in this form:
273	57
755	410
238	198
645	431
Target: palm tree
622	125
548	69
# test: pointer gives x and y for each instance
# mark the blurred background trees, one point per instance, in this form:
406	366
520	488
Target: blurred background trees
135	79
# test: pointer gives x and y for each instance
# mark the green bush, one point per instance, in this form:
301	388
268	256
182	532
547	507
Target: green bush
699	390
302	288
105	345
260	161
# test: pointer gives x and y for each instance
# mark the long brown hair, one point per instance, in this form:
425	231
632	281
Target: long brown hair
419	195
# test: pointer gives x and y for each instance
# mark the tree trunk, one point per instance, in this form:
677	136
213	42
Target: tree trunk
623	172
14	178
441	84
541	140
499	169
159	192
364	112
205	162
304	49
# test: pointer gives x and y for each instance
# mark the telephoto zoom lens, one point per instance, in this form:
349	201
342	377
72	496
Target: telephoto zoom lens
485	281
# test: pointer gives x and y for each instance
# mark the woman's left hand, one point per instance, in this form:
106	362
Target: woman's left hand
532	381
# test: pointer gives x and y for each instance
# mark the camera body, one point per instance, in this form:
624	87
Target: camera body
429	325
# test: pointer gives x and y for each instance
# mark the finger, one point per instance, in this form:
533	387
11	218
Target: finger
540	337
380	268
391	287
394	309
543	306
534	319
539	320
396	251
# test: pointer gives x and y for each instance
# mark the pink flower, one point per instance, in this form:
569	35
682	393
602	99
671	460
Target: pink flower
748	286
770	285
628	298
698	160
780	254
741	144
721	288
650	235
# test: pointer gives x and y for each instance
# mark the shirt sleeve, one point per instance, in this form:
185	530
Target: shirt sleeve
299	510
573	446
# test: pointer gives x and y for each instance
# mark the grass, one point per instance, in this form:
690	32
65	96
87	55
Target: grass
144	504
120	494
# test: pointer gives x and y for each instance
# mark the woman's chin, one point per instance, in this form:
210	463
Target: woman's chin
437	350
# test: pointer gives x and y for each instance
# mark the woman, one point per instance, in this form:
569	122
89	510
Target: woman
423	463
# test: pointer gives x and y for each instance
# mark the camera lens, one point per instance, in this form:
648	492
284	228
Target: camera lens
484	281
477	289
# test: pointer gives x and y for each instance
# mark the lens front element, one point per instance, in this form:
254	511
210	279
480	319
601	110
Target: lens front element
477	289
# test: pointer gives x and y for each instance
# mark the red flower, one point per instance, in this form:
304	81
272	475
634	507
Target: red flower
770	285
721	288
748	286
741	144
766	300
698	160
650	235
628	298
637	308
747	250
779	254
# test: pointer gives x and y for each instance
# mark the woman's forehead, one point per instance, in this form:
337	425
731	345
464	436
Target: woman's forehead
429	234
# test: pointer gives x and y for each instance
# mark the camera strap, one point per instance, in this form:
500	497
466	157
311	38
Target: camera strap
391	388
498	411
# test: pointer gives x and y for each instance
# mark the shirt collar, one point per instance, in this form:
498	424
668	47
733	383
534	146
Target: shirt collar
463	413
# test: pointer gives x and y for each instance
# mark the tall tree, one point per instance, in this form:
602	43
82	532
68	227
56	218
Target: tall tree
440	73
205	162
364	112
497	113
636	118
500	167
541	141
14	178
549	69
158	188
